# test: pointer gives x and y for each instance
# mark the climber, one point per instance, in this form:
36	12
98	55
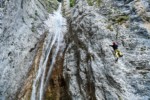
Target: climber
117	53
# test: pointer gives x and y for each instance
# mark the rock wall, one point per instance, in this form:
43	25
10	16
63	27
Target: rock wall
87	69
90	68
22	29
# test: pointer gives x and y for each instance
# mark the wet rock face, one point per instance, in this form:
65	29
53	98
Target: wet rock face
21	30
90	69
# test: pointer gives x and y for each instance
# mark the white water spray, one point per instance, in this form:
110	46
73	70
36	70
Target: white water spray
57	27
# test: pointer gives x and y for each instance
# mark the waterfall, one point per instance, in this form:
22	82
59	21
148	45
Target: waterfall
57	27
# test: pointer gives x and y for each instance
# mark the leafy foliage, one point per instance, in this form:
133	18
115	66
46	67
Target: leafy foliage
72	3
92	2
120	19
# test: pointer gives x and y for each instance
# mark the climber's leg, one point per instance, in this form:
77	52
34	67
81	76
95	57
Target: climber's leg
116	60
116	53
120	53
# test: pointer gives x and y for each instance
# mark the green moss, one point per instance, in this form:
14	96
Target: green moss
98	2
120	19
72	3
110	27
50	5
89	56
92	2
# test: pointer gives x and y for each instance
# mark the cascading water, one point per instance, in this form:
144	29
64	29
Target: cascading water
57	27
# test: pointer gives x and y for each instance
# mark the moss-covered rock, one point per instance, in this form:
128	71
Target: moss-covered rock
72	3
94	2
110	27
50	5
120	19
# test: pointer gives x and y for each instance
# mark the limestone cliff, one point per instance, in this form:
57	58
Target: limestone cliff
85	67
21	36
90	68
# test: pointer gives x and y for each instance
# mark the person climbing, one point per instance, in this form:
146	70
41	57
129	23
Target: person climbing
117	53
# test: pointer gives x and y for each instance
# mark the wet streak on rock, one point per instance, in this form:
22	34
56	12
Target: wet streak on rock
57	88
113	83
26	88
90	78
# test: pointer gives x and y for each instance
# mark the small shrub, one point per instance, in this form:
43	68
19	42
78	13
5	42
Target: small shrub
110	27
120	19
72	3
90	2
98	2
